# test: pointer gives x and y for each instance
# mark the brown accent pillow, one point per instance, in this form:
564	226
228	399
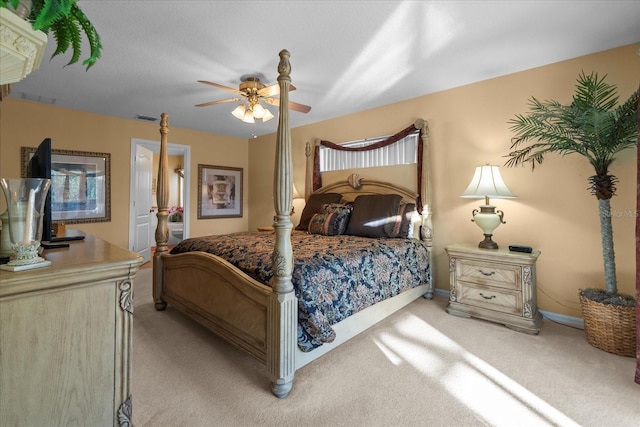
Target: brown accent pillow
328	224
374	215
402	221
314	206
339	208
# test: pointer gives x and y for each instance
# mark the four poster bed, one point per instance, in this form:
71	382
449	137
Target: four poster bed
288	296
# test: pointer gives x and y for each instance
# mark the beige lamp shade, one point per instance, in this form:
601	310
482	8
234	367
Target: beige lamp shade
296	193
487	182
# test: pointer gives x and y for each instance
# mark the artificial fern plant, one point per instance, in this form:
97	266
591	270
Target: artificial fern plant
593	126
66	22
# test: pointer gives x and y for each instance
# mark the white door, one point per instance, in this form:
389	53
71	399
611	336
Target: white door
141	203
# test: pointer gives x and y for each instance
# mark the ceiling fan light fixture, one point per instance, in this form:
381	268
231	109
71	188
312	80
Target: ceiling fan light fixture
258	111
248	116
267	115
238	112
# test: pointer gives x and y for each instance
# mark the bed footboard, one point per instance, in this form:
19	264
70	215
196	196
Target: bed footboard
232	304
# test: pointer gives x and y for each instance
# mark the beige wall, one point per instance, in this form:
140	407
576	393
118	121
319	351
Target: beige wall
554	211
26	123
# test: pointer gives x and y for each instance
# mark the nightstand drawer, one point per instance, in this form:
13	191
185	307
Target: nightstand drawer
491	298
491	274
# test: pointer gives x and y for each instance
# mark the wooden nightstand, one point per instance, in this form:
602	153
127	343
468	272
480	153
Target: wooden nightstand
494	284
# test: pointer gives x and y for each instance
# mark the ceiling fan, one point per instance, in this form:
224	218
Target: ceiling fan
252	90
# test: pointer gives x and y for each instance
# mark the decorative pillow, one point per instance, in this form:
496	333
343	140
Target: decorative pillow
416	220
374	215
402	221
339	208
328	224
314	206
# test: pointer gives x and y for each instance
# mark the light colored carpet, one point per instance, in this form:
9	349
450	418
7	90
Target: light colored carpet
419	367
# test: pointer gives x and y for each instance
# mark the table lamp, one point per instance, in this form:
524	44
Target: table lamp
487	182
296	195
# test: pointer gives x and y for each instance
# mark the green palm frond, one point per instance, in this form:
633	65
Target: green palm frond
60	31
6	3
95	44
591	126
44	13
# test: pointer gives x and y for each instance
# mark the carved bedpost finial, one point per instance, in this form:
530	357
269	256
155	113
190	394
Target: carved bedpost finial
284	67
164	124
309	150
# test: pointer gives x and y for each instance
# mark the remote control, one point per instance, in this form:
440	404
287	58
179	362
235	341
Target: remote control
521	248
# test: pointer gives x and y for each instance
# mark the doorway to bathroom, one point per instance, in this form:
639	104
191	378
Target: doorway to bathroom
143	204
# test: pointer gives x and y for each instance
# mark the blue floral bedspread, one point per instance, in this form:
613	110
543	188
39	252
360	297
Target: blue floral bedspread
333	276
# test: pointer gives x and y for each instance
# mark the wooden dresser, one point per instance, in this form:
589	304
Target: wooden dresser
494	284
65	338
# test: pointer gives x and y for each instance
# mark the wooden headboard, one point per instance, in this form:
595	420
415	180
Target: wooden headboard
355	186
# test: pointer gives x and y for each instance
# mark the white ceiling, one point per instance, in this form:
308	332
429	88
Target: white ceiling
346	56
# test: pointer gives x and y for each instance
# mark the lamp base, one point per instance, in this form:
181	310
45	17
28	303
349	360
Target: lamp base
487	243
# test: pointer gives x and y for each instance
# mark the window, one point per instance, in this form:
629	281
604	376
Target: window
403	152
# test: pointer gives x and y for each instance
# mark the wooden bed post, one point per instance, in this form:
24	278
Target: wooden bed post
283	304
426	231
309	152
162	230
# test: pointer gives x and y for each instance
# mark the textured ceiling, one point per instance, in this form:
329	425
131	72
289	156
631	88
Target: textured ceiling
346	56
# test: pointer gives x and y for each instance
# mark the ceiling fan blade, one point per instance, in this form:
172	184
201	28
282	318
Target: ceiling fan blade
219	86
273	90
293	105
222	101
299	107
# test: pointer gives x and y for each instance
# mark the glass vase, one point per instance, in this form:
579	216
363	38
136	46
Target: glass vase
25	205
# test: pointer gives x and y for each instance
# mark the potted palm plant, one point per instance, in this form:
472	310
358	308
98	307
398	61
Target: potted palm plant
65	21
595	126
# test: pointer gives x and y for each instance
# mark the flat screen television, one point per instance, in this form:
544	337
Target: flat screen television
40	167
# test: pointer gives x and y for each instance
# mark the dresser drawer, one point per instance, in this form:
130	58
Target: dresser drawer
493	274
491	298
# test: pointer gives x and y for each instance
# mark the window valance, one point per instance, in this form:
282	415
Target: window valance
317	178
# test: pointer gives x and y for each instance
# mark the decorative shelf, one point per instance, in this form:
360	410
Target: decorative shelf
21	47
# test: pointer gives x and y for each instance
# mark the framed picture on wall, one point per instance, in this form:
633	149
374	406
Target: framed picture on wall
219	192
80	185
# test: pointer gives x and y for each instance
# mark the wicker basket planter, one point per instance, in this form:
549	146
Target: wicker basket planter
610	327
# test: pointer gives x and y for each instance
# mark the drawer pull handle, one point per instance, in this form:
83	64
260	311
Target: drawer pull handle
487	274
486	297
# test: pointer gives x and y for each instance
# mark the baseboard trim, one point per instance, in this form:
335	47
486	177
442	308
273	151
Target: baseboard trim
574	322
441	292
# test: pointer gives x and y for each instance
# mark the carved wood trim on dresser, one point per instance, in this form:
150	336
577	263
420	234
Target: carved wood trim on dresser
65	344
494	284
